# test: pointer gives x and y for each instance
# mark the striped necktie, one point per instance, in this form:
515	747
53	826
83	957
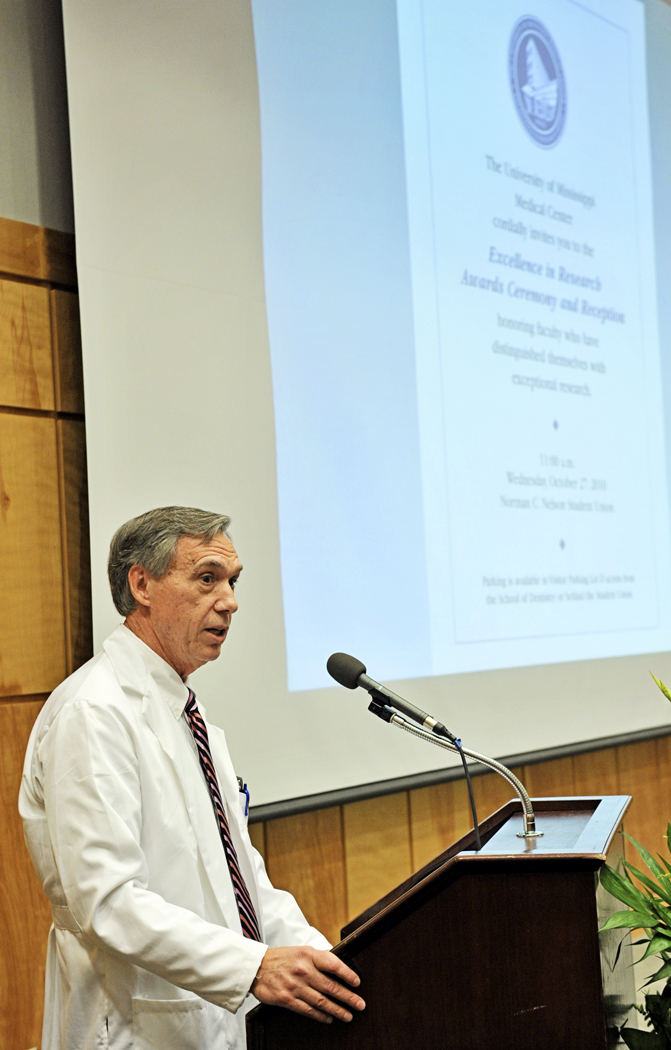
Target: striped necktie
248	919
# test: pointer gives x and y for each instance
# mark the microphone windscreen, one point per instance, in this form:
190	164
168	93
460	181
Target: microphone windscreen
345	669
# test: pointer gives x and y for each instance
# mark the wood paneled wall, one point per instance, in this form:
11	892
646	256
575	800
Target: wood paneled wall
336	861
45	607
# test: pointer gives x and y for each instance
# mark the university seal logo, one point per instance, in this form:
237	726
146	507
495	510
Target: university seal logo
537	81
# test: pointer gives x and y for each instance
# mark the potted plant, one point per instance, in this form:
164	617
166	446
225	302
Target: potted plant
650	904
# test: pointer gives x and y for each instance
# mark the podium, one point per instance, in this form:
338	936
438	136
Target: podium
496	950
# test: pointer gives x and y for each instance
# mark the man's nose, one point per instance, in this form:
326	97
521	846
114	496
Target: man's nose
226	600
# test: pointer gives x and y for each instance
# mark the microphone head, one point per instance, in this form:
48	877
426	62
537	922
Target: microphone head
345	669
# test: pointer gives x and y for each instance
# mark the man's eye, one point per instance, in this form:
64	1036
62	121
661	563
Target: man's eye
232	582
207	577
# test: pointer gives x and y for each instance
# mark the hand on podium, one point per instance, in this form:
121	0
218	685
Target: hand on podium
299	979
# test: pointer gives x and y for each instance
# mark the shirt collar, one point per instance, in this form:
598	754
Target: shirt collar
174	691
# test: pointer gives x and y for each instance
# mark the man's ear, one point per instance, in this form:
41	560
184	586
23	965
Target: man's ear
139	581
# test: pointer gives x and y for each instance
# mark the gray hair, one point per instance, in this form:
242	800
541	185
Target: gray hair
150	540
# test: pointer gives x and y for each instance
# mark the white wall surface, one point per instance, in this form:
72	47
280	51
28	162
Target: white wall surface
35	173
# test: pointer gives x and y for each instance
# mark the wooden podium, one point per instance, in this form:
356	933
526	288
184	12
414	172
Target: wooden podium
496	950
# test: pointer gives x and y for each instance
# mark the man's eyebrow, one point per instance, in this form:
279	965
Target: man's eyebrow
216	563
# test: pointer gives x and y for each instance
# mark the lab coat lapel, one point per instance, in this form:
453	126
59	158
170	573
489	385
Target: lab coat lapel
196	796
134	678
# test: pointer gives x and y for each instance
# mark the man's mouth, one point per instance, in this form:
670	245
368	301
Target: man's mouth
217	632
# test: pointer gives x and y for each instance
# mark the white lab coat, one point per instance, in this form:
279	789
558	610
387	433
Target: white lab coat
145	951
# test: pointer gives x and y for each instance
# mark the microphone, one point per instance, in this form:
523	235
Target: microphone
351	673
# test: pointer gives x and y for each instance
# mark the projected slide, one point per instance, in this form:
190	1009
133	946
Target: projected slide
462	311
528	200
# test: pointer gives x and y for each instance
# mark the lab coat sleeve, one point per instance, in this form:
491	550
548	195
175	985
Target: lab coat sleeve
92	796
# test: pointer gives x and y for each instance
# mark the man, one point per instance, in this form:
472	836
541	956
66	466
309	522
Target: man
166	927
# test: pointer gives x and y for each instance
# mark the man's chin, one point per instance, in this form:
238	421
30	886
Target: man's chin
212	649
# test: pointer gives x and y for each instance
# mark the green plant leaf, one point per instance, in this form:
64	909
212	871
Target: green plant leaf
637	1040
658	943
622	888
661	889
658	888
647	857
660	685
657	1012
618	952
663	913
664	862
665	971
631	919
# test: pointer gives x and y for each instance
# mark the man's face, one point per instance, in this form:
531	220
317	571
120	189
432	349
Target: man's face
187	613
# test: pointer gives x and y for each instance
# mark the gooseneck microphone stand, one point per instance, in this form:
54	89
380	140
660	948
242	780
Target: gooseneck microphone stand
529	820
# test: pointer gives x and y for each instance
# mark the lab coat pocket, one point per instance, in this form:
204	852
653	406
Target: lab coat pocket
162	1023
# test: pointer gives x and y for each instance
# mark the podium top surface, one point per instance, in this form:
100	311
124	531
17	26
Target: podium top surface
582	826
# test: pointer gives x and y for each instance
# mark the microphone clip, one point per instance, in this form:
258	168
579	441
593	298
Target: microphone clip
380	708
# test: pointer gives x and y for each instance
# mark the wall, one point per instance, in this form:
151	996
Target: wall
45	623
45	615
35	173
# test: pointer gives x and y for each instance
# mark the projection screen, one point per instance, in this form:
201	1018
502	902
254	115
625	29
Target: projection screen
382	281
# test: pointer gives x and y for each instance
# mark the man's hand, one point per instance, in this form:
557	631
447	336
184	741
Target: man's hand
300	979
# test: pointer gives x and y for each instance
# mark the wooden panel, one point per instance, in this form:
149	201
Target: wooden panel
549	778
37	252
67	341
377	848
439	815
257	833
305	855
59	263
32	630
76	549
491	792
595	773
663	790
646	817
663	750
25	916
26	375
